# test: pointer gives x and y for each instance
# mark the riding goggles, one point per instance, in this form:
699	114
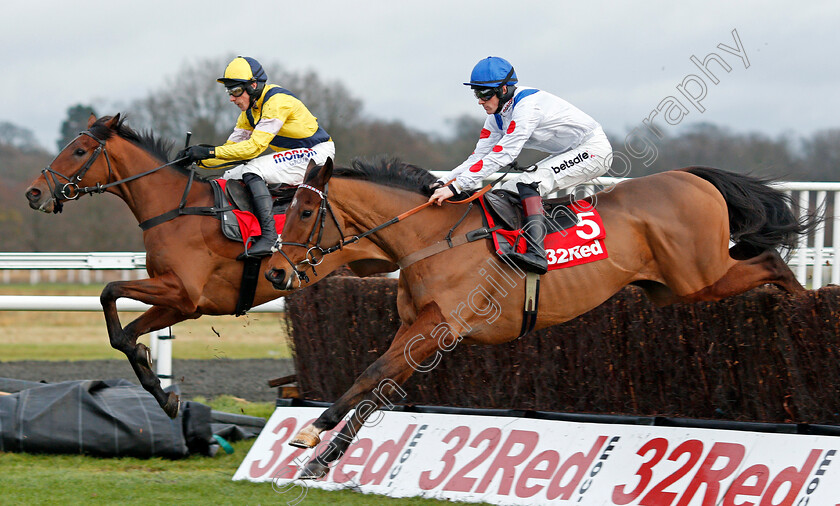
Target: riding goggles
236	91
485	93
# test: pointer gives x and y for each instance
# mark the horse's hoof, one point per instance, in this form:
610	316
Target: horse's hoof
173	405
308	437
314	470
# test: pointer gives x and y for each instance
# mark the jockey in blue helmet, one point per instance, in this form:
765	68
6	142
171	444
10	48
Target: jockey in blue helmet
521	117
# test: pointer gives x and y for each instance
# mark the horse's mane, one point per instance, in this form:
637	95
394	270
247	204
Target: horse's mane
389	172
158	148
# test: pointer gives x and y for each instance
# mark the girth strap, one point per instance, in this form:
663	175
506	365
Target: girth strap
532	303
440	246
248	286
181	211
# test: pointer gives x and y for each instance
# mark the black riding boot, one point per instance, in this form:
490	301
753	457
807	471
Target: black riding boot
262	210
534	229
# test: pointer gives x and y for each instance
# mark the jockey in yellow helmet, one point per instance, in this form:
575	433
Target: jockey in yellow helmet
272	119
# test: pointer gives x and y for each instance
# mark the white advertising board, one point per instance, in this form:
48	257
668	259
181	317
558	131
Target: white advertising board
504	460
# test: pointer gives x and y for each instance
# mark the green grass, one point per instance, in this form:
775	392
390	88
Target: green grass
230	404
78	479
74	335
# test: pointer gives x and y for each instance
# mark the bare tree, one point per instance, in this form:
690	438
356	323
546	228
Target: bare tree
193	101
822	155
76	121
18	137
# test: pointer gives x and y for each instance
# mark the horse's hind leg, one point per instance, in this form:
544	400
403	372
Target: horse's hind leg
766	267
125	339
369	390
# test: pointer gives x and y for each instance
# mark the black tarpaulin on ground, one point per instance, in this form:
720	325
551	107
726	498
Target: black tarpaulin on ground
112	418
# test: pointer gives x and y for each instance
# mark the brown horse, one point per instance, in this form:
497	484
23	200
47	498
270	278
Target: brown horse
668	233
192	266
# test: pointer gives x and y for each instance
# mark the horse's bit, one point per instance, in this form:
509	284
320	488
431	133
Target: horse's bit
71	190
315	253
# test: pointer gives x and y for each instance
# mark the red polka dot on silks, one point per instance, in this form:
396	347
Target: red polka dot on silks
477	166
484	133
497	148
512	127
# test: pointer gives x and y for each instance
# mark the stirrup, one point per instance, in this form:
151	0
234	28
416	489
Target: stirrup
529	262
249	251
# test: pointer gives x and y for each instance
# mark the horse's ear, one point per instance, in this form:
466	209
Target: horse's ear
318	175
326	172
113	122
91	120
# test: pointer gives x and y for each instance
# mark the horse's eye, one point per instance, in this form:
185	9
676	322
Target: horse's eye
306	214
79	152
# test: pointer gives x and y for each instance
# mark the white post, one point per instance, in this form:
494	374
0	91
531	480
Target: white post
819	243
153	345
835	232
802	243
163	362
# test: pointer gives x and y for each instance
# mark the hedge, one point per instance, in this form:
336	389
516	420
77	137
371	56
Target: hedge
762	356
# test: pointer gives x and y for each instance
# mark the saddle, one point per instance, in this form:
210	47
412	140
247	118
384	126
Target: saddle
505	208
236	212
574	231
239	197
237	216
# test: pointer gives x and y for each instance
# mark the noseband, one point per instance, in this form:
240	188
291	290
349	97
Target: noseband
314	249
71	190
315	253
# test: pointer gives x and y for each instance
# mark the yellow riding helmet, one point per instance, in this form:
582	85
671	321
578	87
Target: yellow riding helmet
241	70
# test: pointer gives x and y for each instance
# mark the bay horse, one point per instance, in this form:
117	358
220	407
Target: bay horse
192	266
668	233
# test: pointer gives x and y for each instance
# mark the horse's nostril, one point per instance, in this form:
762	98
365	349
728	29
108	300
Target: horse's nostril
33	195
275	275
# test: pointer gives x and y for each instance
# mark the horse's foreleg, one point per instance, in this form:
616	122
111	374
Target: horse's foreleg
411	346
309	436
164	313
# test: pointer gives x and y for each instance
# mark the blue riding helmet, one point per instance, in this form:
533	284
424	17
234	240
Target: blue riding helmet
492	72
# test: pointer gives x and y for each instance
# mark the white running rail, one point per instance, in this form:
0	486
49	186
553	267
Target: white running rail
160	341
814	261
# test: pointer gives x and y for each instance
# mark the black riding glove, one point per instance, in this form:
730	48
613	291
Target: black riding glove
195	153
434	186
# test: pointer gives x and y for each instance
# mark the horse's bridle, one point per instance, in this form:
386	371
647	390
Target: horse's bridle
325	207
71	189
315	253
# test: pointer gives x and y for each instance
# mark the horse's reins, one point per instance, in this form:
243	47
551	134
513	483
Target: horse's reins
315	252
71	190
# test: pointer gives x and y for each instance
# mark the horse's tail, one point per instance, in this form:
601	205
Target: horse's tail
760	216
